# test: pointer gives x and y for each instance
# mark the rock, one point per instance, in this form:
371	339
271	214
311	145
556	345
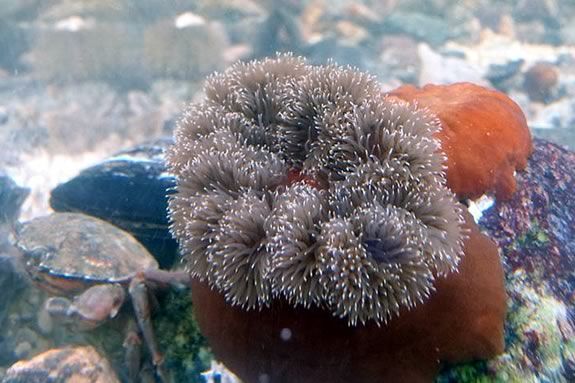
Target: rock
330	48
561	136
185	349
128	190
439	69
501	75
547	11
7	356
568	34
11	198
19	10
60	50
280	30
498	49
134	12
185	47
4	116
13	43
80	364
541	81
423	27
558	114
536	228
44	322
400	57
535	231
12	281
219	373
22	350
536	32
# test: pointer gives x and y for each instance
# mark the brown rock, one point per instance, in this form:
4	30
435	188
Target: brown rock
540	81
77	365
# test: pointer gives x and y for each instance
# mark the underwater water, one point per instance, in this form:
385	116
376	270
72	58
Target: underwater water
169	214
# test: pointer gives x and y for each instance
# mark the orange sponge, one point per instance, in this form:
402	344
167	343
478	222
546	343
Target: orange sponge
484	135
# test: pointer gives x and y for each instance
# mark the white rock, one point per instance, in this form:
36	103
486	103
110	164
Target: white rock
560	114
438	69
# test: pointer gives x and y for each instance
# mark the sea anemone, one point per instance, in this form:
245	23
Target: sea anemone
364	228
314	214
462	320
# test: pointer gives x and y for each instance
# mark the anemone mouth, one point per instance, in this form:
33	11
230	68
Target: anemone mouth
306	183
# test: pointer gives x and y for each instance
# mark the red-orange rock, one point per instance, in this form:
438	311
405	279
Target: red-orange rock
484	135
462	320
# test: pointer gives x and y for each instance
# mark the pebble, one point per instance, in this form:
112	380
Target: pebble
22	350
431	29
44	322
559	114
34	298
501	75
540	81
439	69
11	283
80	364
3	115
28	314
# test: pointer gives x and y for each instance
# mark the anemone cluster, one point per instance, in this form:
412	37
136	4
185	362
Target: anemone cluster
306	183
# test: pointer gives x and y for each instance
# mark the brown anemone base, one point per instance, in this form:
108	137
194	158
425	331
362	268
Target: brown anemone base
462	320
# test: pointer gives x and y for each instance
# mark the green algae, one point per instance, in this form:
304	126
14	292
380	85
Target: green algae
535	236
186	351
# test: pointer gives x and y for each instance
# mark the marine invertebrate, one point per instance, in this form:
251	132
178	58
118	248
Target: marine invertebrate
484	135
462	320
307	193
371	241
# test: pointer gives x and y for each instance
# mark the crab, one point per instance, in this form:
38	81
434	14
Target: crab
96	265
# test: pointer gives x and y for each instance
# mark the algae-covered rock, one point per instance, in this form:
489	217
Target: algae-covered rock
540	343
535	231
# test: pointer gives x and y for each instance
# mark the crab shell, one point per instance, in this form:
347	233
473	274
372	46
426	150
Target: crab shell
67	252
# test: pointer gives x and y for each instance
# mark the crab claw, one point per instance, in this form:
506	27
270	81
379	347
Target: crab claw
58	307
89	309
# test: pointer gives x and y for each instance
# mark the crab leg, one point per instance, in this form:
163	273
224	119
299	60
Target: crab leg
178	279
140	301
132	349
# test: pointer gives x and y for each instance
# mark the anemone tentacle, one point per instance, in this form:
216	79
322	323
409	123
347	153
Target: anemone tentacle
363	228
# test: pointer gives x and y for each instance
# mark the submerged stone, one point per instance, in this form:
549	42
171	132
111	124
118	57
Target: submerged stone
128	190
535	231
80	364
12	197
